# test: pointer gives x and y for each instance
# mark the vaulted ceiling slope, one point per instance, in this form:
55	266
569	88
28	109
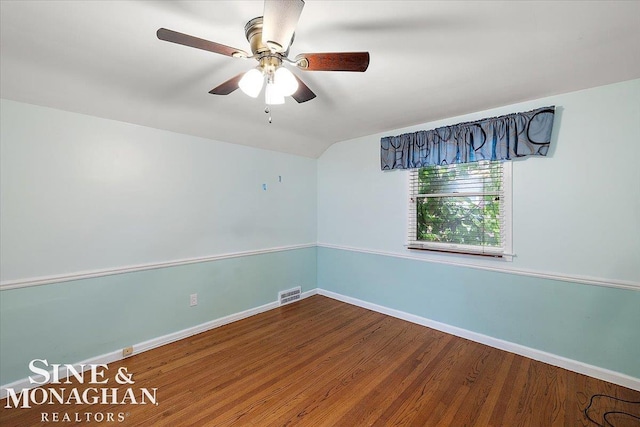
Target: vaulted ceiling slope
429	60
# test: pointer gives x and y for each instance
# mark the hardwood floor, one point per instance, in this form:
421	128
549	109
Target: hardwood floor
320	362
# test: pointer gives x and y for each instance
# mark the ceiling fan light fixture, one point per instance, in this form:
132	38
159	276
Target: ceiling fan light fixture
286	81
251	82
270	37
273	94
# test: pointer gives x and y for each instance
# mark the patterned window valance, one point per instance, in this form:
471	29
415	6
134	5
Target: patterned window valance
496	138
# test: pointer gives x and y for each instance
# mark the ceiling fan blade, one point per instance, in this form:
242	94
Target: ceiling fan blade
279	21
303	94
227	87
187	40
336	61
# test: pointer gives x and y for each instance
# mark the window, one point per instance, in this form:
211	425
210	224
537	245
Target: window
462	208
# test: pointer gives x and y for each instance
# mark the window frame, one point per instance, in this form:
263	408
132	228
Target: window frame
504	253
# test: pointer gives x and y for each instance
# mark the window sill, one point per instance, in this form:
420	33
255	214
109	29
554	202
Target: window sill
459	251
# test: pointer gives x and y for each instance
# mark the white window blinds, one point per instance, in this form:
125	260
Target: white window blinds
461	208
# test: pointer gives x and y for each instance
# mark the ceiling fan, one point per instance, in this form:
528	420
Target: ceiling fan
270	37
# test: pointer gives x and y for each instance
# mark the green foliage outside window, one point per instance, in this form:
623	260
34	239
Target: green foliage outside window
460	204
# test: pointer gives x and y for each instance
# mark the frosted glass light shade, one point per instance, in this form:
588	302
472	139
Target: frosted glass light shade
272	95
286	81
251	82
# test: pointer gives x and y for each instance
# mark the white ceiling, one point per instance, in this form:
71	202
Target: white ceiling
429	60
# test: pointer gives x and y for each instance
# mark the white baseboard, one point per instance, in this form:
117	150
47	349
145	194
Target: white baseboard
154	343
542	356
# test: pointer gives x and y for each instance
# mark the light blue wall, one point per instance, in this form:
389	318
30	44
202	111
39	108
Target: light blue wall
74	321
575	212
81	194
592	324
575	218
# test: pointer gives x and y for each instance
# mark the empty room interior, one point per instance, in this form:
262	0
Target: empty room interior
320	213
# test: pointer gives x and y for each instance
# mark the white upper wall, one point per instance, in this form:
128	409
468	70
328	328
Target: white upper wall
81	193
575	212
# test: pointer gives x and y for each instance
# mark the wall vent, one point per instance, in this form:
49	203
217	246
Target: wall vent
290	295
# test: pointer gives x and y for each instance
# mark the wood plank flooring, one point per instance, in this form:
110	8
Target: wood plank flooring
321	362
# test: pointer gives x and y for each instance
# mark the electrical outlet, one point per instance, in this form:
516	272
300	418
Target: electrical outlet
193	300
127	351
